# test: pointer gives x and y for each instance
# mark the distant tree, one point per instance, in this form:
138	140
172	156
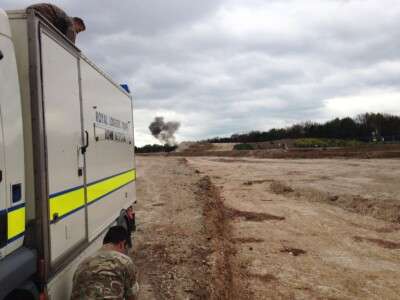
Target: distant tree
155	148
359	128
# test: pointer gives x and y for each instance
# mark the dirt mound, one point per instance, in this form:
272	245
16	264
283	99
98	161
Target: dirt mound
233	160
365	152
383	209
293	251
251	182
247	240
223	146
197	147
381	243
388	229
183	146
251	216
278	187
264	277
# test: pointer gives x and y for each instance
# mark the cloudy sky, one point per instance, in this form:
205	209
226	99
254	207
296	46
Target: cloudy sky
229	66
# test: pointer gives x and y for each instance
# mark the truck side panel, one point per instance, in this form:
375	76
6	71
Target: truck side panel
63	139
60	89
109	165
110	172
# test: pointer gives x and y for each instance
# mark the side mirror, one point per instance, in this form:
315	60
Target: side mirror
1	55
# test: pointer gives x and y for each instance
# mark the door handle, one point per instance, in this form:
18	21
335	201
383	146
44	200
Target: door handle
84	147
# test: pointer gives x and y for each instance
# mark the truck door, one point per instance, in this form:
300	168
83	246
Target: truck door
110	170
12	201
64	139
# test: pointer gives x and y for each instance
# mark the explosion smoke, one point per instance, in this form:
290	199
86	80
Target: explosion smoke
164	132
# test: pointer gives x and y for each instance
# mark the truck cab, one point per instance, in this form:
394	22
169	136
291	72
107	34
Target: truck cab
15	260
11	146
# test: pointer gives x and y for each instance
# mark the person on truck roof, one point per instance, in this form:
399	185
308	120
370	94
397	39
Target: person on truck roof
109	273
69	26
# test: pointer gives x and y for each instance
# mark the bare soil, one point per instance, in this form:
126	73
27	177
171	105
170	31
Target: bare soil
225	150
182	246
247	228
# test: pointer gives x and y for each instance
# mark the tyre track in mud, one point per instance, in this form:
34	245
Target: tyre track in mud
227	277
182	247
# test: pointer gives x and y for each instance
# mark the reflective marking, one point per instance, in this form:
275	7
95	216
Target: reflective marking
65	203
15	222
99	189
70	201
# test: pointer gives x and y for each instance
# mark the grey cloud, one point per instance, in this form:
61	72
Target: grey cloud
143	17
179	56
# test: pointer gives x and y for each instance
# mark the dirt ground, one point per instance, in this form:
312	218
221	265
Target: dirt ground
193	146
266	150
246	228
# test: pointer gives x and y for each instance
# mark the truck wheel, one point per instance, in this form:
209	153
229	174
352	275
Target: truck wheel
20	295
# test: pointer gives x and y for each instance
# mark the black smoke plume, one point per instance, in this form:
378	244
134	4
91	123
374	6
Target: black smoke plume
164	131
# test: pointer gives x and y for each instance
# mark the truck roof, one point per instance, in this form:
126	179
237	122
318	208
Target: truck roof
4	24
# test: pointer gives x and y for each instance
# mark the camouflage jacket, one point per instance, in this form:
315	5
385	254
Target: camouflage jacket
106	275
57	17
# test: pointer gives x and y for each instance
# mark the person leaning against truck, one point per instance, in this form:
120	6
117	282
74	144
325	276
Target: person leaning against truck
127	220
69	26
108	274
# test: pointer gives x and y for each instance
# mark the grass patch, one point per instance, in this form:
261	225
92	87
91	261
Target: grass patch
317	143
243	146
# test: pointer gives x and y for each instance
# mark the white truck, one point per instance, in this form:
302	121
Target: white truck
67	165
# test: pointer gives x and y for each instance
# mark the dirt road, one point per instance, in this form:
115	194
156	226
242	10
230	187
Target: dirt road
230	228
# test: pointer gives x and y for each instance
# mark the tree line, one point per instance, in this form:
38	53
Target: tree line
364	127
155	148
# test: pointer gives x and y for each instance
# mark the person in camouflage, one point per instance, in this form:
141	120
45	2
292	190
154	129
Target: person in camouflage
108	274
68	26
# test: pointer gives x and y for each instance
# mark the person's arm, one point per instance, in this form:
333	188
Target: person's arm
71	34
131	282
134	222
135	296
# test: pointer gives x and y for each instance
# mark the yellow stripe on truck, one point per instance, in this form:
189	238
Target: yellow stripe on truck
102	188
15	223
66	203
